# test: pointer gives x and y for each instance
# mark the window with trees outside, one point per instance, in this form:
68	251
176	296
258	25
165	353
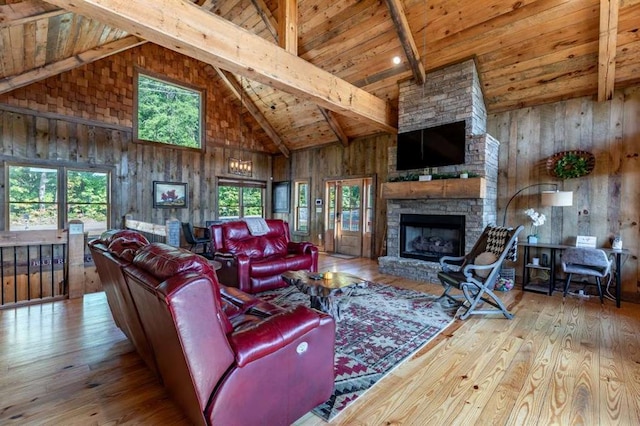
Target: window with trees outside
49	197
238	199
168	112
301	218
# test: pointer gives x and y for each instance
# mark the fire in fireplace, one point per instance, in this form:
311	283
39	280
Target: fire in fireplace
429	237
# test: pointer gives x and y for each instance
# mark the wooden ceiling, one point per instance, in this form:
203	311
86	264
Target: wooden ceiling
338	81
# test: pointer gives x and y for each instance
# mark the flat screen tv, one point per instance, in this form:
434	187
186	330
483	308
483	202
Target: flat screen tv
437	146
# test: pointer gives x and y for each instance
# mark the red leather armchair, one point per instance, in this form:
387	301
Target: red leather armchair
255	263
226	357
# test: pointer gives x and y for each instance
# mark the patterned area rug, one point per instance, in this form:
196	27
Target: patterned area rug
380	327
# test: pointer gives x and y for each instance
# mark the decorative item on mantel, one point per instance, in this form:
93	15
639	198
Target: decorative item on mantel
426	176
464	174
537	219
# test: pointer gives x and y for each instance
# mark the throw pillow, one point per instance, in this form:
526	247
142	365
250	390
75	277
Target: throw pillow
484	258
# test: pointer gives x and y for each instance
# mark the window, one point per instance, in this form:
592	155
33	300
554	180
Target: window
168	113
33	198
48	197
87	199
301	219
237	199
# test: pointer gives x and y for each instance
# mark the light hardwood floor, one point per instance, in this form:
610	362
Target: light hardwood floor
557	362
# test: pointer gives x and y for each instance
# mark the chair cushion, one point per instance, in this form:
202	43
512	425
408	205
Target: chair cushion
484	258
453	279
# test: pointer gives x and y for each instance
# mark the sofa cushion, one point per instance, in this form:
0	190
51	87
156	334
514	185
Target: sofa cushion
109	236
164	261
298	262
125	248
267	267
274	245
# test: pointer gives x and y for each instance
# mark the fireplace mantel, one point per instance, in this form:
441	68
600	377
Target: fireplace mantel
441	188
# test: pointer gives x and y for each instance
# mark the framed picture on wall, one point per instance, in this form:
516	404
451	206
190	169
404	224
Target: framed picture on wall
281	194
170	195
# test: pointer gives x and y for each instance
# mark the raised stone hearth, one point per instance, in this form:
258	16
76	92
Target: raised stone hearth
449	95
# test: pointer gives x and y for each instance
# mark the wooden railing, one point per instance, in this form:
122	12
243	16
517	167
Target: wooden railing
41	265
168	233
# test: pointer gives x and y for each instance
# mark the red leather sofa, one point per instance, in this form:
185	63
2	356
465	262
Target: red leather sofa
111	252
255	263
226	357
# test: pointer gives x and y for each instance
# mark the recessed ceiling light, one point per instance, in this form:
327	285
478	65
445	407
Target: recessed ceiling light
397	60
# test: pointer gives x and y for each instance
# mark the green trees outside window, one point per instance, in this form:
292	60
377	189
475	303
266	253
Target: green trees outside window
87	196
48	197
301	219
168	113
238	200
33	198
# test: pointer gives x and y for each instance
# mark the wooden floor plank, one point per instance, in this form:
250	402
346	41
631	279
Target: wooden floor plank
556	362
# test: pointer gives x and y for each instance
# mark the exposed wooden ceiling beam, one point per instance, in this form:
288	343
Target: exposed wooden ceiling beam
182	26
13	82
237	89
607	49
288	25
406	39
335	126
27	11
267	17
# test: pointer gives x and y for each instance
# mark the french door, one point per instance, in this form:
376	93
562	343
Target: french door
349	215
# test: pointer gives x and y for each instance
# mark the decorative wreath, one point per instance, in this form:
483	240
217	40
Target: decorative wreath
571	164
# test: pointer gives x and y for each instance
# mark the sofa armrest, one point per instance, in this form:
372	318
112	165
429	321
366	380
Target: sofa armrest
234	271
303	247
272	334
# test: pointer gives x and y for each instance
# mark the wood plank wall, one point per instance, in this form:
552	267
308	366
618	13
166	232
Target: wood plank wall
606	202
364	157
82	118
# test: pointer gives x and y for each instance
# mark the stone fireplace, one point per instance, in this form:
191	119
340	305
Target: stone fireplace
450	94
429	237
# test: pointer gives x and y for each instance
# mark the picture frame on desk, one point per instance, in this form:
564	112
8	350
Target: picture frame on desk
586	241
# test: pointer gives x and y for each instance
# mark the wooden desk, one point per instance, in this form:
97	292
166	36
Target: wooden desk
551	267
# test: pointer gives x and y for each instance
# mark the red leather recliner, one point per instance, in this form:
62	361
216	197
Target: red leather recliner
255	263
226	357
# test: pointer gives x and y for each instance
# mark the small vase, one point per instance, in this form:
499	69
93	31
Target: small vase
532	239
423	178
464	175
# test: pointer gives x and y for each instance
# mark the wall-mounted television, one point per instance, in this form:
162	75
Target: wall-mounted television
437	146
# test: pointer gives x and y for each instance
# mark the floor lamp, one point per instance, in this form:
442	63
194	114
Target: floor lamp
554	198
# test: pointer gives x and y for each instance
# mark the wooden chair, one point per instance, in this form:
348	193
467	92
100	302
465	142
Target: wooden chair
590	262
475	274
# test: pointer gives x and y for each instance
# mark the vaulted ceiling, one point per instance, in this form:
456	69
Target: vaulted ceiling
333	79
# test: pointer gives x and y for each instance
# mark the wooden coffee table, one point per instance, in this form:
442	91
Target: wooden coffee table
325	289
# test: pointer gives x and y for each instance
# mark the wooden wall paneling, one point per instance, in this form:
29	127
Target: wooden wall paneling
585	126
524	165
30	142
72	141
613	146
600	117
102	142
19	133
62	142
630	189
553	226
206	193
42	137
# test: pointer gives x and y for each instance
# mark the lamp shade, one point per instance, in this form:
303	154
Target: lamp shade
556	198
